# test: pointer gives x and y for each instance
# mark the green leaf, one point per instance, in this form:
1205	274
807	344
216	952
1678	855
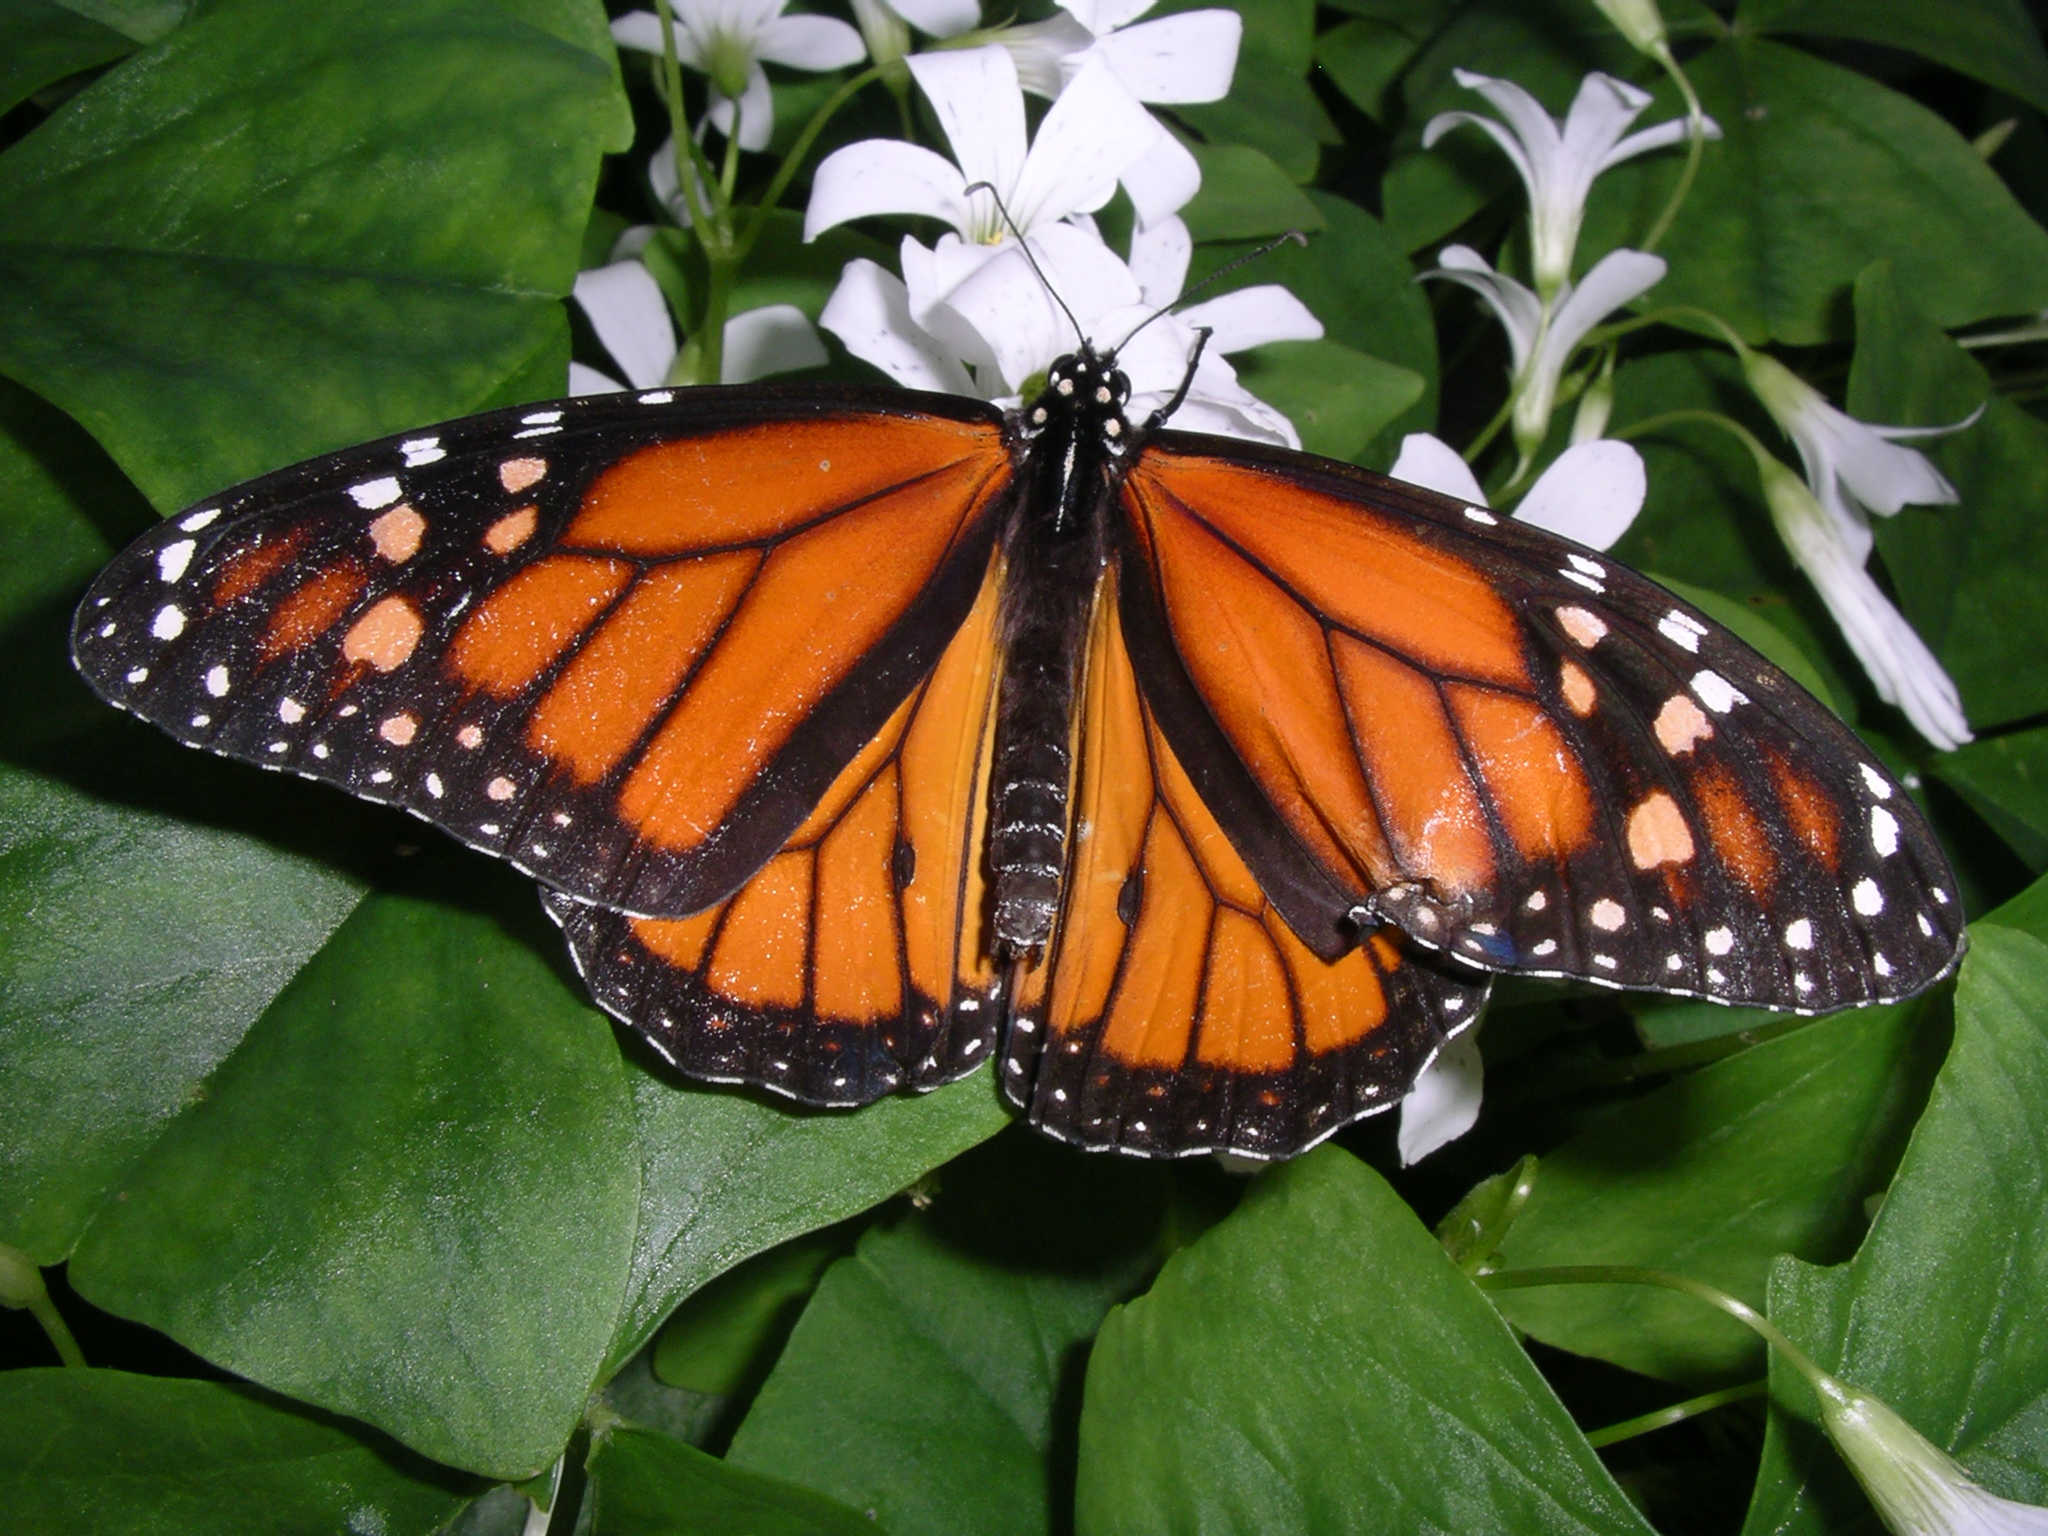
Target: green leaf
1245	196
408	1195
1338	399
42	43
1994	41
647	1484
1968	576
1943	1312
1315	1363
2005	780
1772	245
110	1453
930	1378
1712	1175
324	222
1270	109
716	1341
1363	58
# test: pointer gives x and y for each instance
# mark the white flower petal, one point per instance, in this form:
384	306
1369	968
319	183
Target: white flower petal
869	312
631	319
811	42
1159	260
1047	53
1100	16
1430	462
1918	1488
1184	58
974	94
1673	132
887	176
1162	180
756	112
1618	278
1092	132
1510	146
1519	310
939	18
1251	317
776	338
1444	1103
1591	493
584	380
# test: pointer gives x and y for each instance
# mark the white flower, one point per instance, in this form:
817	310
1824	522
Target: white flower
1832	553
1189	57
729	39
1558	162
1444	1103
1590	493
1089	135
1543	334
631	319
988	325
1918	1489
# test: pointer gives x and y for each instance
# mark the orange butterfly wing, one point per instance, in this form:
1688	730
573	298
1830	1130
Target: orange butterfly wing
625	647
1175	1010
853	963
1517	751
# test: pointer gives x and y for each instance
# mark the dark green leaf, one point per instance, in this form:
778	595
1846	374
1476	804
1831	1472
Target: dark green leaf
1995	41
2006	780
1363	57
1245	196
647	1484
1714	1174
42	43
1271	109
716	1340
1943	1313
1338	399
113	1454
408	1195
1315	1363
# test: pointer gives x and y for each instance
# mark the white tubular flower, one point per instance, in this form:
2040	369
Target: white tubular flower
1919	1489
1444	1103
1901	668
627	311
1190	57
1091	133
1557	162
1640	22
1590	493
1542	336
728	40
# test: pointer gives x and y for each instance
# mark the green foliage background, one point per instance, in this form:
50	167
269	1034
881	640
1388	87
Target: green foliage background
365	1216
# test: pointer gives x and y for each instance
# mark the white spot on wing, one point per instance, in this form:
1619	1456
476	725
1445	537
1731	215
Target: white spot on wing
172	559
1716	692
1867	898
1799	934
658	397
138	675
290	711
1482	517
169	622
217	682
192	522
1884	831
1876	782
422	450
1682	630
1608	915
1719	941
372	494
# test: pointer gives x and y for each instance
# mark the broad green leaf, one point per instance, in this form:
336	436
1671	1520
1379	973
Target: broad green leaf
2006	780
408	1195
1943	1312
119	1455
1315	1363
42	43
1969	576
1819	172
717	1340
1339	400
647	1484
724	1176
1245	196
1712	1175
1271	110
926	1379
1363	57
1996	41
324	222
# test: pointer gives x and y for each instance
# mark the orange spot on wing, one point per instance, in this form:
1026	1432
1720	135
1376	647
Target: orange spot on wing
1681	726
1577	688
517	474
1247	1015
1419	778
680	941
523	626
1735	833
858	970
1154	1007
1658	833
385	635
511	530
1339	1003
1815	816
746	484
396	534
247	571
313	608
627	673
763	950
1532	775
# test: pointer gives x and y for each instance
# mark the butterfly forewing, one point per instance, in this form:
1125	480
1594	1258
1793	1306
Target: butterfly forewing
624	645
1177	1011
853	963
1516	750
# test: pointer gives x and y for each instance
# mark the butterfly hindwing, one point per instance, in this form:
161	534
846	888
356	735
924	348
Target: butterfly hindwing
624	644
1176	1011
1518	751
853	963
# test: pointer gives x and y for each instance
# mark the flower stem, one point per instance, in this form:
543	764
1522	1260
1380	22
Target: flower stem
21	1285
1695	145
793	161
1676	1413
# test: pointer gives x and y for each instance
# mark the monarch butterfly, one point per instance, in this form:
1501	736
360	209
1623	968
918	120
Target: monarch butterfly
856	736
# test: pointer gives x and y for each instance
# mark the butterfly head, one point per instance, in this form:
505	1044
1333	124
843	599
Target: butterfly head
1086	392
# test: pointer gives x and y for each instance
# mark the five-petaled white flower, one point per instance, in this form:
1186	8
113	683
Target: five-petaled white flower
1190	57
1918	1488
1558	162
729	39
1543	334
1852	470
631	318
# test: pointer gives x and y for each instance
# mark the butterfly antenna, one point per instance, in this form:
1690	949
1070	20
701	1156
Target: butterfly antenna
1292	237
1025	246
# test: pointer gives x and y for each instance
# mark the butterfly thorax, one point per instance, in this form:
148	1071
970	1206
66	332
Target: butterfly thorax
1054	550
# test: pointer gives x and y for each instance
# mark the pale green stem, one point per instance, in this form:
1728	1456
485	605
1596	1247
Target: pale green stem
1695	146
1677	1413
793	162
